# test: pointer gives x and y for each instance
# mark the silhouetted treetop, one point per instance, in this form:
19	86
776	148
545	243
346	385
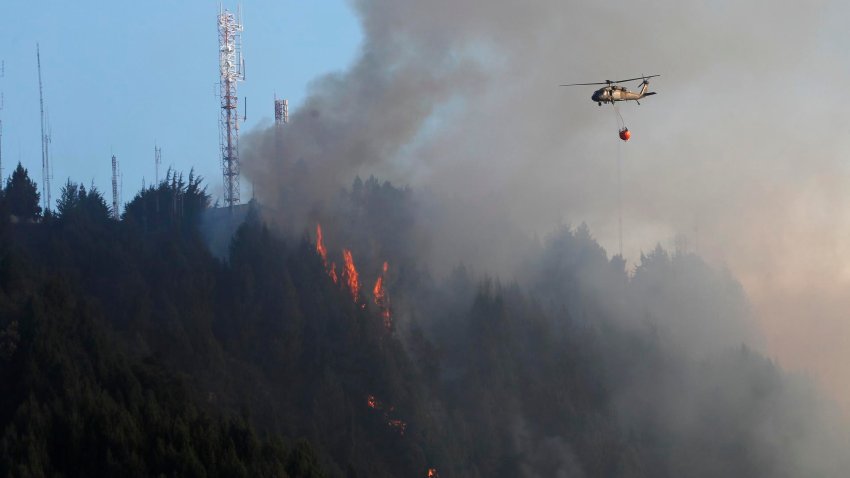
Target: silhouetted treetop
75	203
174	202
22	195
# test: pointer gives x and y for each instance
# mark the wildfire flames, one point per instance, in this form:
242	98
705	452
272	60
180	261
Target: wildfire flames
320	246
350	274
398	425
332	273
382	299
351	278
323	253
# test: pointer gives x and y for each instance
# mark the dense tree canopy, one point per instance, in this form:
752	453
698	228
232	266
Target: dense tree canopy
77	204
128	349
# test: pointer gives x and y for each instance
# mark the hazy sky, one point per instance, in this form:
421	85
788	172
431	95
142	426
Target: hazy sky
744	150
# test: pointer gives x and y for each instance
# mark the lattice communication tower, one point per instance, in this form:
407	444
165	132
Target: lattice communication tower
281	111
232	71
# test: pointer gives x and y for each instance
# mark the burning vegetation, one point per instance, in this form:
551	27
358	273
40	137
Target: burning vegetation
320	246
352	279
395	424
323	253
332	273
382	299
398	425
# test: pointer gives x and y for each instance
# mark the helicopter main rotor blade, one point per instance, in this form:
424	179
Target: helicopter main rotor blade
633	79
588	84
609	82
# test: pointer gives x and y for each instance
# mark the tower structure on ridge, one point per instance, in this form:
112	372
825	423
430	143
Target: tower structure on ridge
232	71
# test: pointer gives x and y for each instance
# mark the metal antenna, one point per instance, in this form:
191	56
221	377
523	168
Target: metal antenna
1	139
2	74
232	71
45	138
157	159
115	214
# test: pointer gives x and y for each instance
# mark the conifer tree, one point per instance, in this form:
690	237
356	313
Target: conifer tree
22	195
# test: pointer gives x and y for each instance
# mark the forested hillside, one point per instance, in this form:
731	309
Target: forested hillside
128	349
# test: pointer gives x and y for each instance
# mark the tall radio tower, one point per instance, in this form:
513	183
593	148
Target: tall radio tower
45	139
232	70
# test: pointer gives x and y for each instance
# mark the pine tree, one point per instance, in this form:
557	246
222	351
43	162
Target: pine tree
22	195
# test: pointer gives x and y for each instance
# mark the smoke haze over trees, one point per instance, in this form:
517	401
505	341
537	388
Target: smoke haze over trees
130	336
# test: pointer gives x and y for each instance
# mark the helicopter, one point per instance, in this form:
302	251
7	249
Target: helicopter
614	92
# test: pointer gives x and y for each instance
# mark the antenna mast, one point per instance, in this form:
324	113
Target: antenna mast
2	74
232	70
115	212
157	159
45	139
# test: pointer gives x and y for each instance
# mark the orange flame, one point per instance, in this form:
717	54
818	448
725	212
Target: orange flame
323	253
332	272
320	246
432	473
382	299
350	274
399	425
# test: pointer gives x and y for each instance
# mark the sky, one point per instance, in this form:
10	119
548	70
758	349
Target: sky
121	76
743	153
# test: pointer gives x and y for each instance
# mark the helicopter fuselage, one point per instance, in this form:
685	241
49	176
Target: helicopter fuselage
610	94
612	91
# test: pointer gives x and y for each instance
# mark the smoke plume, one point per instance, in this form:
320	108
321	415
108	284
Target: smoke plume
739	153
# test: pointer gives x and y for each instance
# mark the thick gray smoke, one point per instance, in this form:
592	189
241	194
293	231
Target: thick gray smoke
737	152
